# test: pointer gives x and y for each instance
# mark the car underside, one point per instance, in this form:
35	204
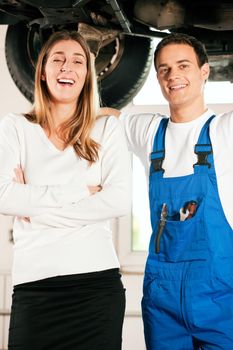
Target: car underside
122	31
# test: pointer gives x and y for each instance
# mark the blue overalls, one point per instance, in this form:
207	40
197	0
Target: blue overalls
188	284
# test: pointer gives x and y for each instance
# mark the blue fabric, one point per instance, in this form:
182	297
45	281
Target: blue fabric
188	286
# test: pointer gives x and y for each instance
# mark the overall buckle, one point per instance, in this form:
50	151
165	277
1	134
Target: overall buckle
157	159
202	151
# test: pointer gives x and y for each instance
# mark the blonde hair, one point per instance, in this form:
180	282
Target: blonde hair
76	130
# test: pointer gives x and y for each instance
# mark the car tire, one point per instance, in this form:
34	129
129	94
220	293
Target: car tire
118	83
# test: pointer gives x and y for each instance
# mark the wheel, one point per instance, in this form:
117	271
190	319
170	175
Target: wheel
122	66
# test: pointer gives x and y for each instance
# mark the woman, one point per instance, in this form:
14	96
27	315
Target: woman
64	173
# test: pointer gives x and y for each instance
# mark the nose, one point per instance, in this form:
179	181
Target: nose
173	73
65	69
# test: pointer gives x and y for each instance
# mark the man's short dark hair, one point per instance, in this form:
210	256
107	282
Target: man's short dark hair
180	38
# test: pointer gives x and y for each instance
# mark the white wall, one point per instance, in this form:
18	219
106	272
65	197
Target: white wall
11	100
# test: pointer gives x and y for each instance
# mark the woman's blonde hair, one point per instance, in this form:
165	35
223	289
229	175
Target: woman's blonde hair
76	130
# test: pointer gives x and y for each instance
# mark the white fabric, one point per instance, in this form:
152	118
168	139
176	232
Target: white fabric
179	148
69	230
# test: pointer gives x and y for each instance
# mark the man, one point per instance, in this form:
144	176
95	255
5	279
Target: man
188	285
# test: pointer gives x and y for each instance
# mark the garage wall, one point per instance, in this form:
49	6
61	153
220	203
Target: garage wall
11	100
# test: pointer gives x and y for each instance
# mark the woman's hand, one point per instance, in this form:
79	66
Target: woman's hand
19	175
94	189
19	178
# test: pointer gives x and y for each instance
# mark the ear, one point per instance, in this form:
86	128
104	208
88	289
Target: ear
205	71
43	77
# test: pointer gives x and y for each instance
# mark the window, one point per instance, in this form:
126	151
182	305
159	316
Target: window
141	228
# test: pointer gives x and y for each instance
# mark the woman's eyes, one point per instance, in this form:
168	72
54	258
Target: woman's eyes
58	60
63	60
78	62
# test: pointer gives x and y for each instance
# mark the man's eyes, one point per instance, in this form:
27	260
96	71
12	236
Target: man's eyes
163	71
166	70
184	66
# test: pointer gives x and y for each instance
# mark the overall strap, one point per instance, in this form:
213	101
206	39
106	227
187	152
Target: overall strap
203	150
158	154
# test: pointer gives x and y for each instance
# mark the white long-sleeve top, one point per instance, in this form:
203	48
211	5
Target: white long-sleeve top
69	231
180	139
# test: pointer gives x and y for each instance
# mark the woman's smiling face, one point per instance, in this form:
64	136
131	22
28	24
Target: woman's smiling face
65	71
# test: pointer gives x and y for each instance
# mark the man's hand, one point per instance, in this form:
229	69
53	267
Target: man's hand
109	111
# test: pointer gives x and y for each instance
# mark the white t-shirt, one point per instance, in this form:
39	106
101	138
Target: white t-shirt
179	145
69	231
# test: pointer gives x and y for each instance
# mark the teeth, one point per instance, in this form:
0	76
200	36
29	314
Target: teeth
177	87
69	81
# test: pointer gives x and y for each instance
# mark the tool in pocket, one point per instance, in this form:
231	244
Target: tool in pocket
188	210
161	225
183	214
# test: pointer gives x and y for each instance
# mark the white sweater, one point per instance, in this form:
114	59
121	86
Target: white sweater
69	231
179	144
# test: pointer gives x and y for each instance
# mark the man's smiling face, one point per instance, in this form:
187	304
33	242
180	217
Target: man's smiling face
179	75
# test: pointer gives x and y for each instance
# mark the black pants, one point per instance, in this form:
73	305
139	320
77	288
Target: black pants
75	312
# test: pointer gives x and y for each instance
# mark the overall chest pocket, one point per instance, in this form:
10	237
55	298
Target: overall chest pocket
184	240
